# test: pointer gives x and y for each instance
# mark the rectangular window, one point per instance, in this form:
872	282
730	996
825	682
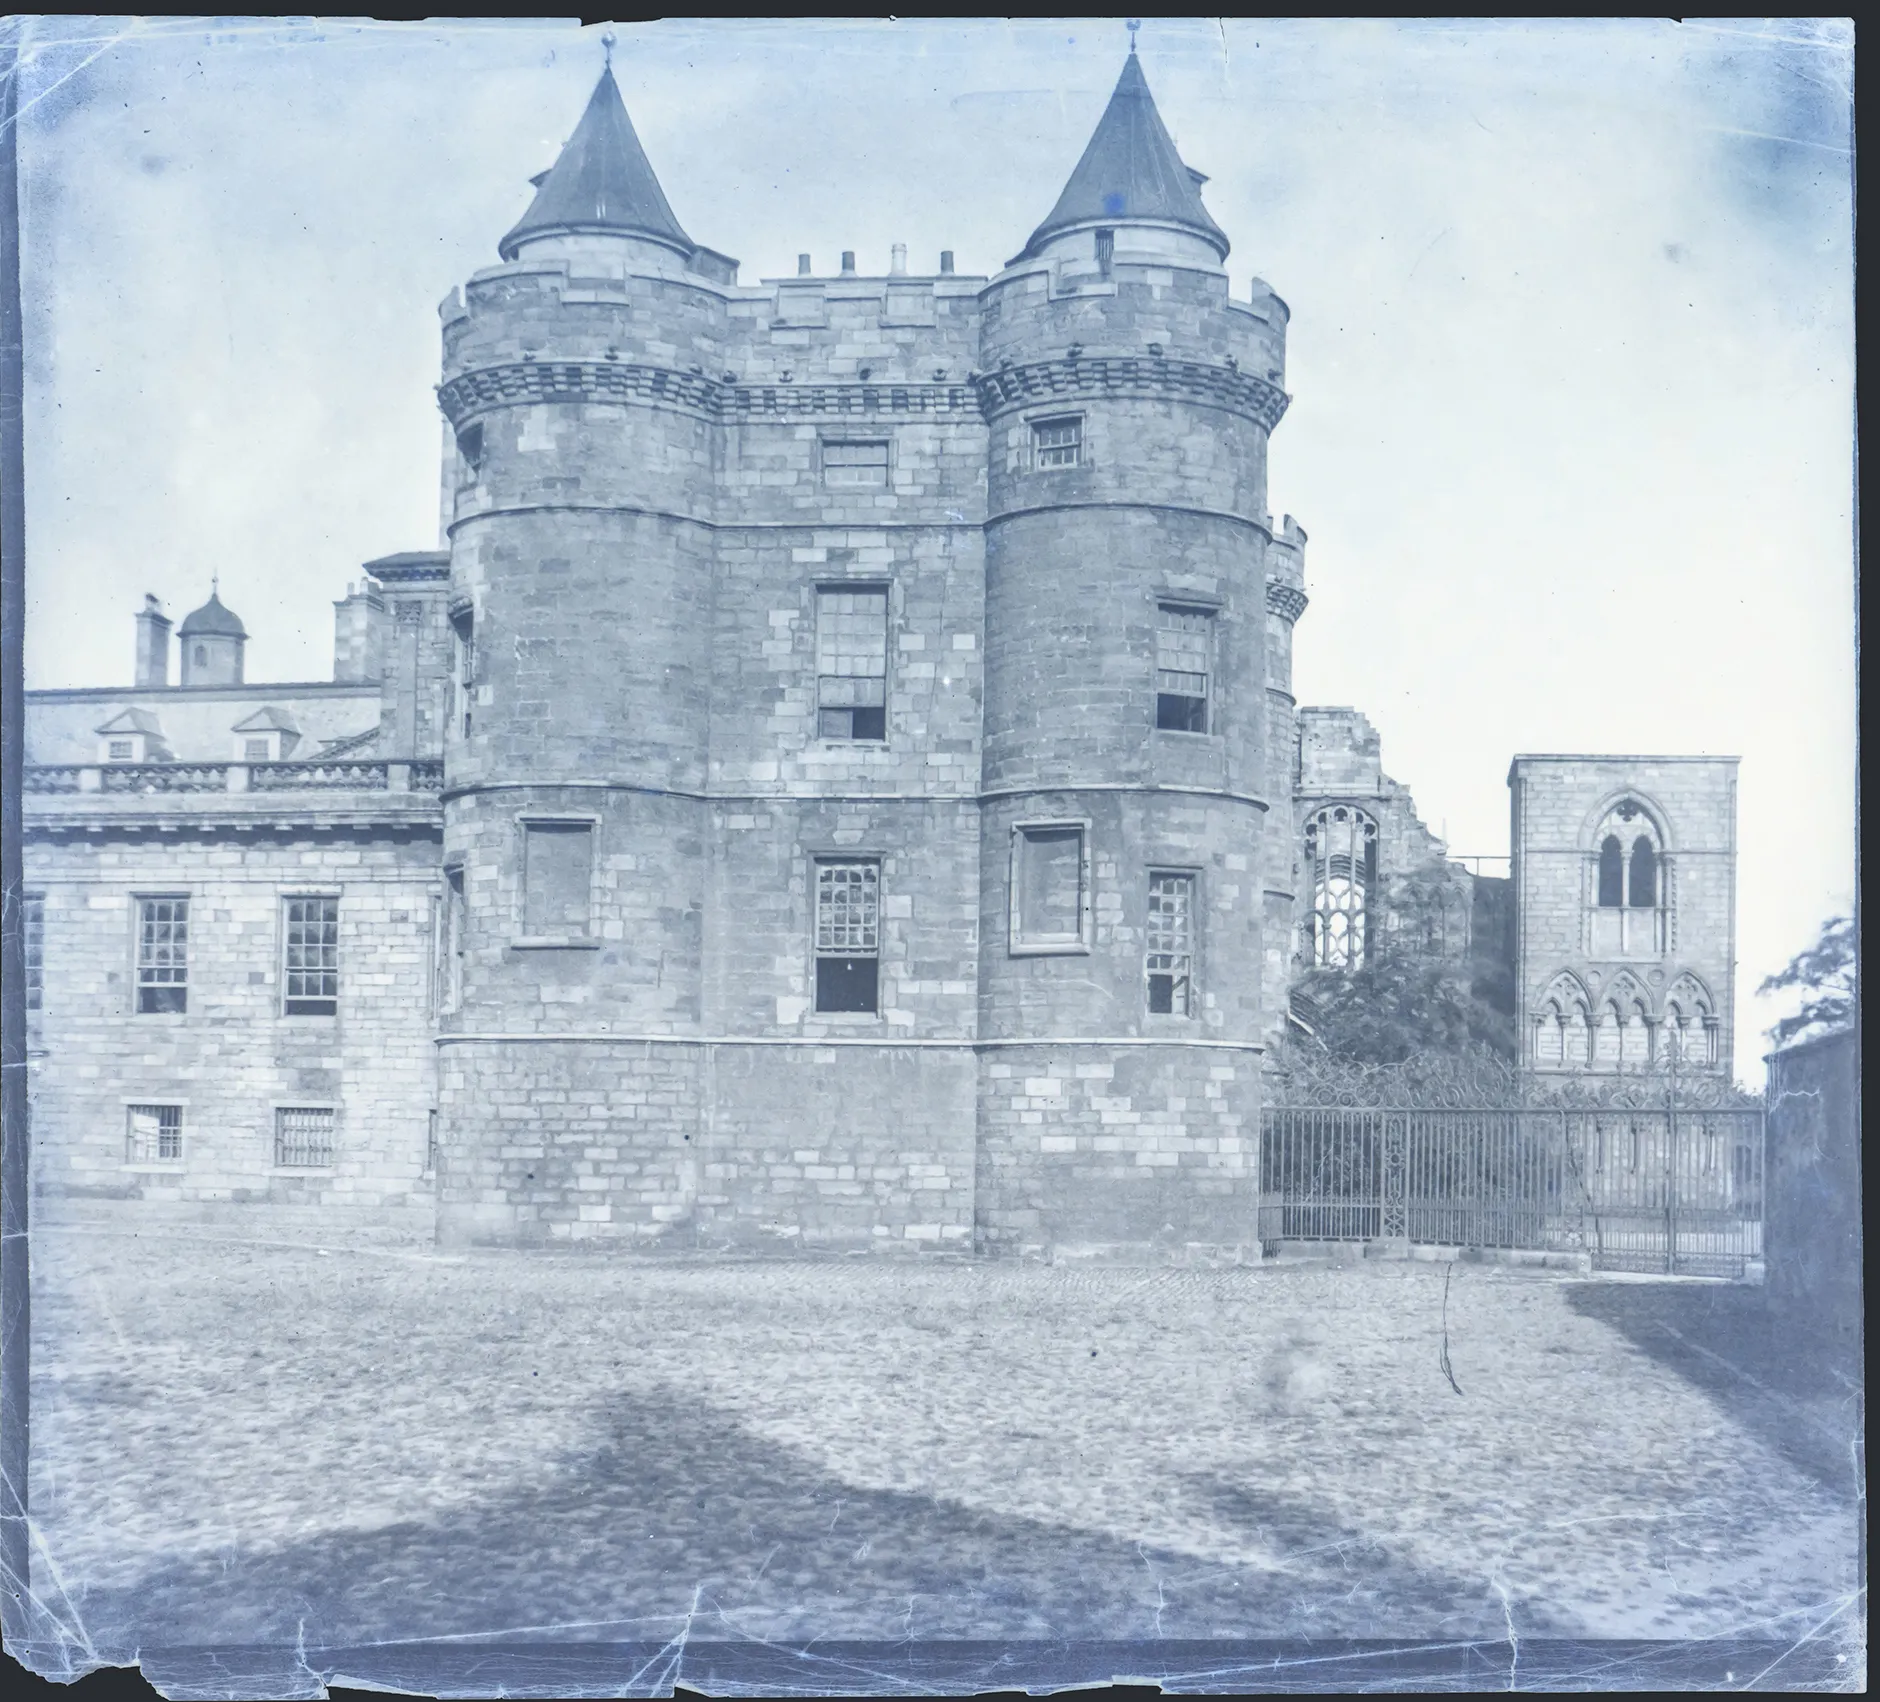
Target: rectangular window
1106	251
33	927
162	956
121	750
303	1137
464	668
1170	959
852	662
254	750
855	466
1183	659
1050	888
310	963
557	879
1057	443
452	944
848	936
153	1134
430	1146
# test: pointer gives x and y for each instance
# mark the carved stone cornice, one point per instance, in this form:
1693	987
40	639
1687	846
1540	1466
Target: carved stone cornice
1286	601
1107	377
526	383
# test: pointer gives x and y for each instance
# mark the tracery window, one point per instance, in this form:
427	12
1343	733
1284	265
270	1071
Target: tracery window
1628	918
1341	854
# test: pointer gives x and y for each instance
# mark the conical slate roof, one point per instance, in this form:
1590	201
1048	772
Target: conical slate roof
1131	170
213	620
601	182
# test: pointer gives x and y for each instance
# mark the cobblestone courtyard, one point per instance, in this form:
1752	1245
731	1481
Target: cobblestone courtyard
246	1441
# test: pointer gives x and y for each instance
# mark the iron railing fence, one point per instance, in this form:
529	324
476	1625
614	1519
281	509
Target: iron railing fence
1644	1188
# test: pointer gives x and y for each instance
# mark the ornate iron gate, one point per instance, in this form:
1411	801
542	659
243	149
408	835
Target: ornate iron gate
1645	1172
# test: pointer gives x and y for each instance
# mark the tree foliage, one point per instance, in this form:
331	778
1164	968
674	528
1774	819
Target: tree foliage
1827	975
1417	993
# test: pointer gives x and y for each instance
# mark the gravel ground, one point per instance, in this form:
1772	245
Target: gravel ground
249	1441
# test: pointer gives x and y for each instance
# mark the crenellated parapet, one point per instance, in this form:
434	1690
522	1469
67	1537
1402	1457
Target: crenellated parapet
1101	378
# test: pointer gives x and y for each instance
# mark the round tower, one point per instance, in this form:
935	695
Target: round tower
579	379
1285	603
1127	771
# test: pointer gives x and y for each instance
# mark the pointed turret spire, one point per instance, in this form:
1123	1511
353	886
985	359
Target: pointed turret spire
1131	171
601	182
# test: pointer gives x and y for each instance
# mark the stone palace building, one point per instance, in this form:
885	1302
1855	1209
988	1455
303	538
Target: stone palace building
841	785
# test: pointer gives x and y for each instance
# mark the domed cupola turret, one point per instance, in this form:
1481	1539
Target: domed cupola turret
602	185
1130	175
213	639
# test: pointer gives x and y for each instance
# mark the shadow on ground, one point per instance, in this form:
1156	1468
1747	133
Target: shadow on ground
685	1523
1797	1395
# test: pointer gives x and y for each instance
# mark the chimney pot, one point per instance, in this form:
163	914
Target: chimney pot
848	260
898	258
802	265
946	260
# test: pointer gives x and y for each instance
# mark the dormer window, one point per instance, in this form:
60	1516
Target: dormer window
120	750
131	735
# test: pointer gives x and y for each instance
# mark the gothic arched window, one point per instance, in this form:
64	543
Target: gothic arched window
1629	885
1561	1028
1341	853
1690	1025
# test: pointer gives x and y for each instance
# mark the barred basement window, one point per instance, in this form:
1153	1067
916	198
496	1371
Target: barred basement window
1050	888
33	930
557	879
848	936
855	465
310	963
1057	443
1170	960
852	662
153	1134
1184	643
162	956
303	1137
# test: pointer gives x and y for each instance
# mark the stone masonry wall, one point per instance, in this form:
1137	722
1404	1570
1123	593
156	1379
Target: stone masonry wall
232	1057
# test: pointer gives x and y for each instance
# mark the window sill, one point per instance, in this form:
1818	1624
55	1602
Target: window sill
301	1169
1049	948
1182	733
847	1019
548	942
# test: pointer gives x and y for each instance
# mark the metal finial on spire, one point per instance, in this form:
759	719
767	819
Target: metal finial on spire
1132	25
607	47
215	585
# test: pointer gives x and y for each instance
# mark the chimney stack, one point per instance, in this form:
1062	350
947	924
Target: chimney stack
946	261
153	644
802	265
848	260
897	262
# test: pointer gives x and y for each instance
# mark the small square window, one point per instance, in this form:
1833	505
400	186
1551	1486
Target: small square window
855	465
153	1134
303	1137
255	750
1057	443
121	750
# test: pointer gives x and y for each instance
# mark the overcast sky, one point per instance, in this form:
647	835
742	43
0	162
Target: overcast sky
1571	347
